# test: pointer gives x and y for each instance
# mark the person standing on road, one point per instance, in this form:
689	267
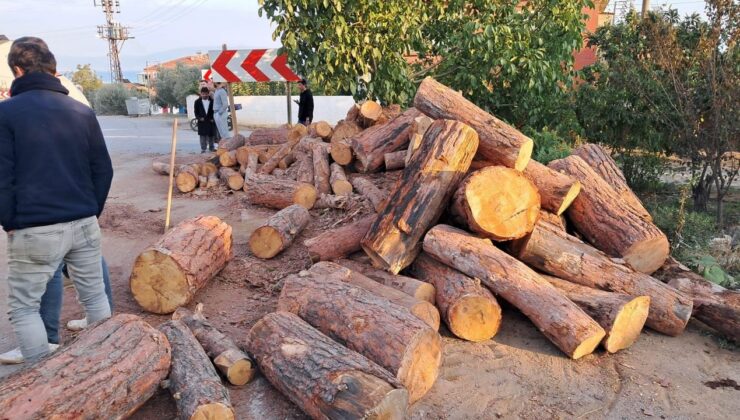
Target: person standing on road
221	110
206	124
305	104
49	207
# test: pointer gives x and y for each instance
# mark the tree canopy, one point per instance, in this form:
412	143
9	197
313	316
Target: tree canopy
173	86
84	76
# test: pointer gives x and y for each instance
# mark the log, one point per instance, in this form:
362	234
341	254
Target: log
296	133
395	160
203	182
339	242
600	161
228	159
469	309
370	111
277	193
496	202
411	286
342	202
561	255
123	353
279	172
252	164
371	145
421	309
338	180
421	124
305	168
161	168
232	178
562	321
227	357
621	316
187	178
420	195
212	180
366	188
168	274
230	143
341	148
607	222
557	190
323	378
555	221
275	159
264	152
353	113
323	129
368	324
714	305
208	168
500	143
321	172
268	136
286	161
193	382
279	231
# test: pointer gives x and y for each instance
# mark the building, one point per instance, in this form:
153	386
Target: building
150	72
596	17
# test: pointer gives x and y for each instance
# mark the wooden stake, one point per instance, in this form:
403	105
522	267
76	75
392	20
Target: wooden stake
231	105
172	175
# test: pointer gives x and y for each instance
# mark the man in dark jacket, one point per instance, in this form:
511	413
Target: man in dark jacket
55	174
206	124
305	104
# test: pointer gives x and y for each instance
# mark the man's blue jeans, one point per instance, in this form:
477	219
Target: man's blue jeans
51	301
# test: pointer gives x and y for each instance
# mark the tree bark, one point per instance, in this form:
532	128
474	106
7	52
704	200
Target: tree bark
557	190
621	316
323	378
212	181
278	233
341	148
228	159
339	242
227	357
395	160
208	168
369	324
305	168
553	220
388	113
168	274
123	353
275	159
714	305
194	383
277	193
562	321
187	178
500	143
469	310
555	252
607	222
497	202
421	124
161	168
421	194
343	202
252	164
230	143
371	145
338	180
268	136
600	161
416	288
321	173
232	178
366	188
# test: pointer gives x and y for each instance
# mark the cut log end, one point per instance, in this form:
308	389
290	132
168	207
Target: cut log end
427	313
393	406
420	364
306	195
588	345
474	318
238	369
341	187
213	411
392	403
525	154
186	182
648	255
158	283
627	324
573	192
266	242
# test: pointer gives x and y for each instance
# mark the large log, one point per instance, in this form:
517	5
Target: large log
297	132
395	160
714	305
500	143
338	180
621	316
562	321
279	231
370	325
598	159
161	168
469	310
305	168
187	178
228	358
275	159
371	145
339	242
555	252
341	148
557	190
497	202
321	171
411	286
421	194
228	159
366	188
230	143
193	382
231	178
611	225
268	136
323	378
123	353
278	193
422	309
168	274
369	113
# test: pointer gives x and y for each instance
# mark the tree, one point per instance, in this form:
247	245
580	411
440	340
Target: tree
172	86
84	77
111	99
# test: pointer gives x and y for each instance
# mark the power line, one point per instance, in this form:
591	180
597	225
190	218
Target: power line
116	34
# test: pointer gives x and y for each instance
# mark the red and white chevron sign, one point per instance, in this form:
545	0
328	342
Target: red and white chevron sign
4	94
250	66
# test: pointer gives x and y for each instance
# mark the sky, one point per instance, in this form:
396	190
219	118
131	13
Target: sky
162	29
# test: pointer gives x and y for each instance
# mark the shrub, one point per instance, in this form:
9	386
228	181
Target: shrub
548	146
111	99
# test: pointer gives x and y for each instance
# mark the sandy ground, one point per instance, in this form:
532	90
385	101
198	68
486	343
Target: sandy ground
518	374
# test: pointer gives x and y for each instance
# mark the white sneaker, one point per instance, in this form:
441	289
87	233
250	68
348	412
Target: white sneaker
15	357
77	324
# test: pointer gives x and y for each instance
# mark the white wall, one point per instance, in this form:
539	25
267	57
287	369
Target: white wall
273	110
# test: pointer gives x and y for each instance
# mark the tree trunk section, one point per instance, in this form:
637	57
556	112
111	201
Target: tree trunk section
323	378
212	180
421	124
497	202
420	196
553	220
161	168
469	309
123	353
557	190
341	148
277	193
228	358
275	159
230	143
228	159
366	188
371	145
194	383
411	286
232	178
370	325
268	136
339	242
305	168
187	178
321	172
279	232
607	222
263	152
395	160
338	180
296	133
500	143
370	111
168	274
208	168
323	130
252	164
555	252
562	321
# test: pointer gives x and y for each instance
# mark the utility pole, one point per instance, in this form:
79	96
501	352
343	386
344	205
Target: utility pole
115	33
645	7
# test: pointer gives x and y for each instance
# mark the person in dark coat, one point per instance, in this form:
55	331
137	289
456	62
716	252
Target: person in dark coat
305	104
206	123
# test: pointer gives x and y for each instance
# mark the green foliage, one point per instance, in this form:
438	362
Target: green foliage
174	85
707	266
111	99
642	170
85	78
548	145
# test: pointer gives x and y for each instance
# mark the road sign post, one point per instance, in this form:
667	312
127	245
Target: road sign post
232	106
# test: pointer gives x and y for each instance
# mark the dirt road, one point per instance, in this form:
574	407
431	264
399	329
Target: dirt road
518	374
